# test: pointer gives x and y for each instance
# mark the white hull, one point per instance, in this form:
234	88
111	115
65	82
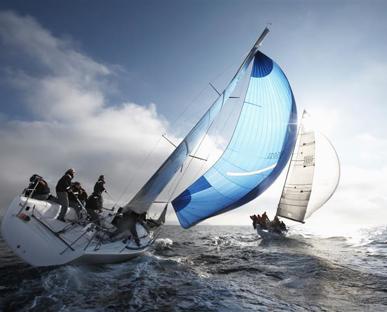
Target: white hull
30	229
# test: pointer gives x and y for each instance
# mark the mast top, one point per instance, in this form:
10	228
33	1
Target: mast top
262	36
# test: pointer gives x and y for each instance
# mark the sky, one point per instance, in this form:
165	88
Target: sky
93	85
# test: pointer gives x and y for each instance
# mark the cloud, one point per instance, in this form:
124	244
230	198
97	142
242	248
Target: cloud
58	82
24	35
71	122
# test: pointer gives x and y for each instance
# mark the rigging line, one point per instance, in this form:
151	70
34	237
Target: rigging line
175	122
185	168
221	129
179	118
142	165
182	176
241	105
174	185
238	109
190	160
200	93
196	150
245	88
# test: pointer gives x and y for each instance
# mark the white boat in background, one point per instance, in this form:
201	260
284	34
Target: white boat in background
312	178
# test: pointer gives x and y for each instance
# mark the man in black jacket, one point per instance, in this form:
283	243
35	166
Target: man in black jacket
77	198
99	185
93	206
128	222
62	187
99	188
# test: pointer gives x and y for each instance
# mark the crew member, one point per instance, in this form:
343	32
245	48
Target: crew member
99	185
254	218
62	188
93	206
82	196
38	188
75	194
99	188
275	225
127	222
265	221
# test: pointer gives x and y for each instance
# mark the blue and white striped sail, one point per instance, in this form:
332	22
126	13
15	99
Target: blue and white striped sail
259	149
141	202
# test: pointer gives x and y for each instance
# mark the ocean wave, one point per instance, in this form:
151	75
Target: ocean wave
212	269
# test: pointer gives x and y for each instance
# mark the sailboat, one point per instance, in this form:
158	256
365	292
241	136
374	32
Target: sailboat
260	147
312	178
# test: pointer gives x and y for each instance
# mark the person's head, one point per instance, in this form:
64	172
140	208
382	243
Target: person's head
34	178
101	178
71	172
77	185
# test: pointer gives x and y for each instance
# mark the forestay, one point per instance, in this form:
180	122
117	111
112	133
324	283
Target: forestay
154	186
258	150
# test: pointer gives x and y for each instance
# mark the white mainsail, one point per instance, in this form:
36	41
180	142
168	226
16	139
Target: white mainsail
313	175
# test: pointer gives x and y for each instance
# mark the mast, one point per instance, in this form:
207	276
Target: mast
144	198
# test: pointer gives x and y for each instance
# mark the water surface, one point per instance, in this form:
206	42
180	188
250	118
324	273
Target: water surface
213	268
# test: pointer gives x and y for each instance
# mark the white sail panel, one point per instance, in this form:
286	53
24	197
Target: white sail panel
298	185
144	198
326	175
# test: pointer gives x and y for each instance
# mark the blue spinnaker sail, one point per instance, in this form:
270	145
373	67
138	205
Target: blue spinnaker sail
141	202
257	153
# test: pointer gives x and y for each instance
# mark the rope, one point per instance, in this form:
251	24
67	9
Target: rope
191	158
197	174
175	122
179	118
131	180
201	142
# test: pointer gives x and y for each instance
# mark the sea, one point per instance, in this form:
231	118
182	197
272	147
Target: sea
213	268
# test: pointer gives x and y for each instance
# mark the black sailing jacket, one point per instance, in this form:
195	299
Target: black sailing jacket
64	183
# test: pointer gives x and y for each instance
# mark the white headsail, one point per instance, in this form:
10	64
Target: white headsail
313	175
